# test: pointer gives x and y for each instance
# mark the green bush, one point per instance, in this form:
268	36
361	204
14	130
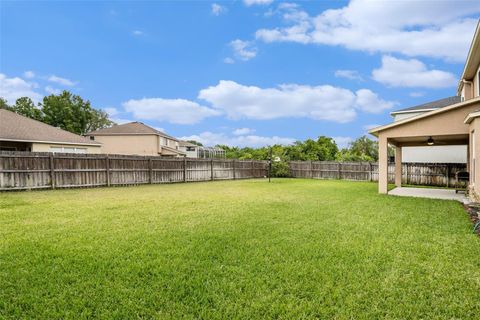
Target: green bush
280	169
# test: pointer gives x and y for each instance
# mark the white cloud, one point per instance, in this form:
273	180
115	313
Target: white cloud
441	29
218	9
51	90
29	74
243	131
13	88
416	94
411	73
249	3
61	81
243	50
369	101
211	139
348	74
342	142
179	111
228	60
137	33
317	102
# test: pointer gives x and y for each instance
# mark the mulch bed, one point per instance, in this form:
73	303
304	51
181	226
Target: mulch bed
473	210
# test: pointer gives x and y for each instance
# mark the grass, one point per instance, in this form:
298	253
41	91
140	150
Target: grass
247	249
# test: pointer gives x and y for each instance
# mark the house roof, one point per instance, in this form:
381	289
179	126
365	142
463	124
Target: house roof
473	58
131	128
186	144
461	104
15	127
429	106
172	150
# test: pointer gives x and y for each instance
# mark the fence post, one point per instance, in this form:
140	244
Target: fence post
211	169
407	174
448	175
311	169
233	163
107	168
184	169
252	170
339	171
52	170
370	172
150	171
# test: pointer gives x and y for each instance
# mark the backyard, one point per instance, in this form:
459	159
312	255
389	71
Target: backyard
246	249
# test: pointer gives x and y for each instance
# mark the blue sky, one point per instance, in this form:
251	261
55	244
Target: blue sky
251	72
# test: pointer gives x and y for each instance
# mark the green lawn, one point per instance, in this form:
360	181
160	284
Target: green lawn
247	249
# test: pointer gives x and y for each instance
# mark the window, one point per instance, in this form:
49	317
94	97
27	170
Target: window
190	148
68	150
163	141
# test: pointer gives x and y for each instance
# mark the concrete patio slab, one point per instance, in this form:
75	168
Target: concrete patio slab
445	194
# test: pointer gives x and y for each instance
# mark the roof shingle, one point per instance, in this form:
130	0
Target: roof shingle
437	104
128	129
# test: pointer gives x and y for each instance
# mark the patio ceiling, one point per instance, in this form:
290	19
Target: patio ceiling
421	141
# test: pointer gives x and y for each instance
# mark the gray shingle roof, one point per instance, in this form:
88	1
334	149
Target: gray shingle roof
437	104
128	129
19	128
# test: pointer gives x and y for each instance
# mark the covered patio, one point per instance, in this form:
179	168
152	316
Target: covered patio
443	127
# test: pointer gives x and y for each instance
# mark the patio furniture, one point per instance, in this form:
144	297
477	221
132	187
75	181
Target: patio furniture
462	180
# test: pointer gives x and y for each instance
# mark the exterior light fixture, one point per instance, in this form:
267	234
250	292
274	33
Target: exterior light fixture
430	141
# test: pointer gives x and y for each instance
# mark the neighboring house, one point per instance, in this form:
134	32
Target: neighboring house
451	125
136	138
442	154
19	133
195	151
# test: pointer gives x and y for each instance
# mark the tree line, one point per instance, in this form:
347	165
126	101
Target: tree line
322	149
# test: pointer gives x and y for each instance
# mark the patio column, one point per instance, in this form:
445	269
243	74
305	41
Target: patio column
382	164
398	166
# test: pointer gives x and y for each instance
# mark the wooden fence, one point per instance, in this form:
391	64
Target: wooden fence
38	170
427	174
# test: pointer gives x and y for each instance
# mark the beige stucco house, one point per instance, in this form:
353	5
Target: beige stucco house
136	138
454	124
19	133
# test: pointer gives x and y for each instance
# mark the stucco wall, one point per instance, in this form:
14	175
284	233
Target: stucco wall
47	147
444	123
475	156
145	145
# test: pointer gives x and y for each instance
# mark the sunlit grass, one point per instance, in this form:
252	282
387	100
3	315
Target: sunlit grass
236	249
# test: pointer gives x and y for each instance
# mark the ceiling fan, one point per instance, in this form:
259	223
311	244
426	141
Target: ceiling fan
432	142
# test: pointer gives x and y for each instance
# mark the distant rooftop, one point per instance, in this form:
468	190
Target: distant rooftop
15	127
429	106
128	129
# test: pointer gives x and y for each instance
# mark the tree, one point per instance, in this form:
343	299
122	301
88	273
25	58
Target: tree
4	104
27	108
365	148
70	112
195	143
